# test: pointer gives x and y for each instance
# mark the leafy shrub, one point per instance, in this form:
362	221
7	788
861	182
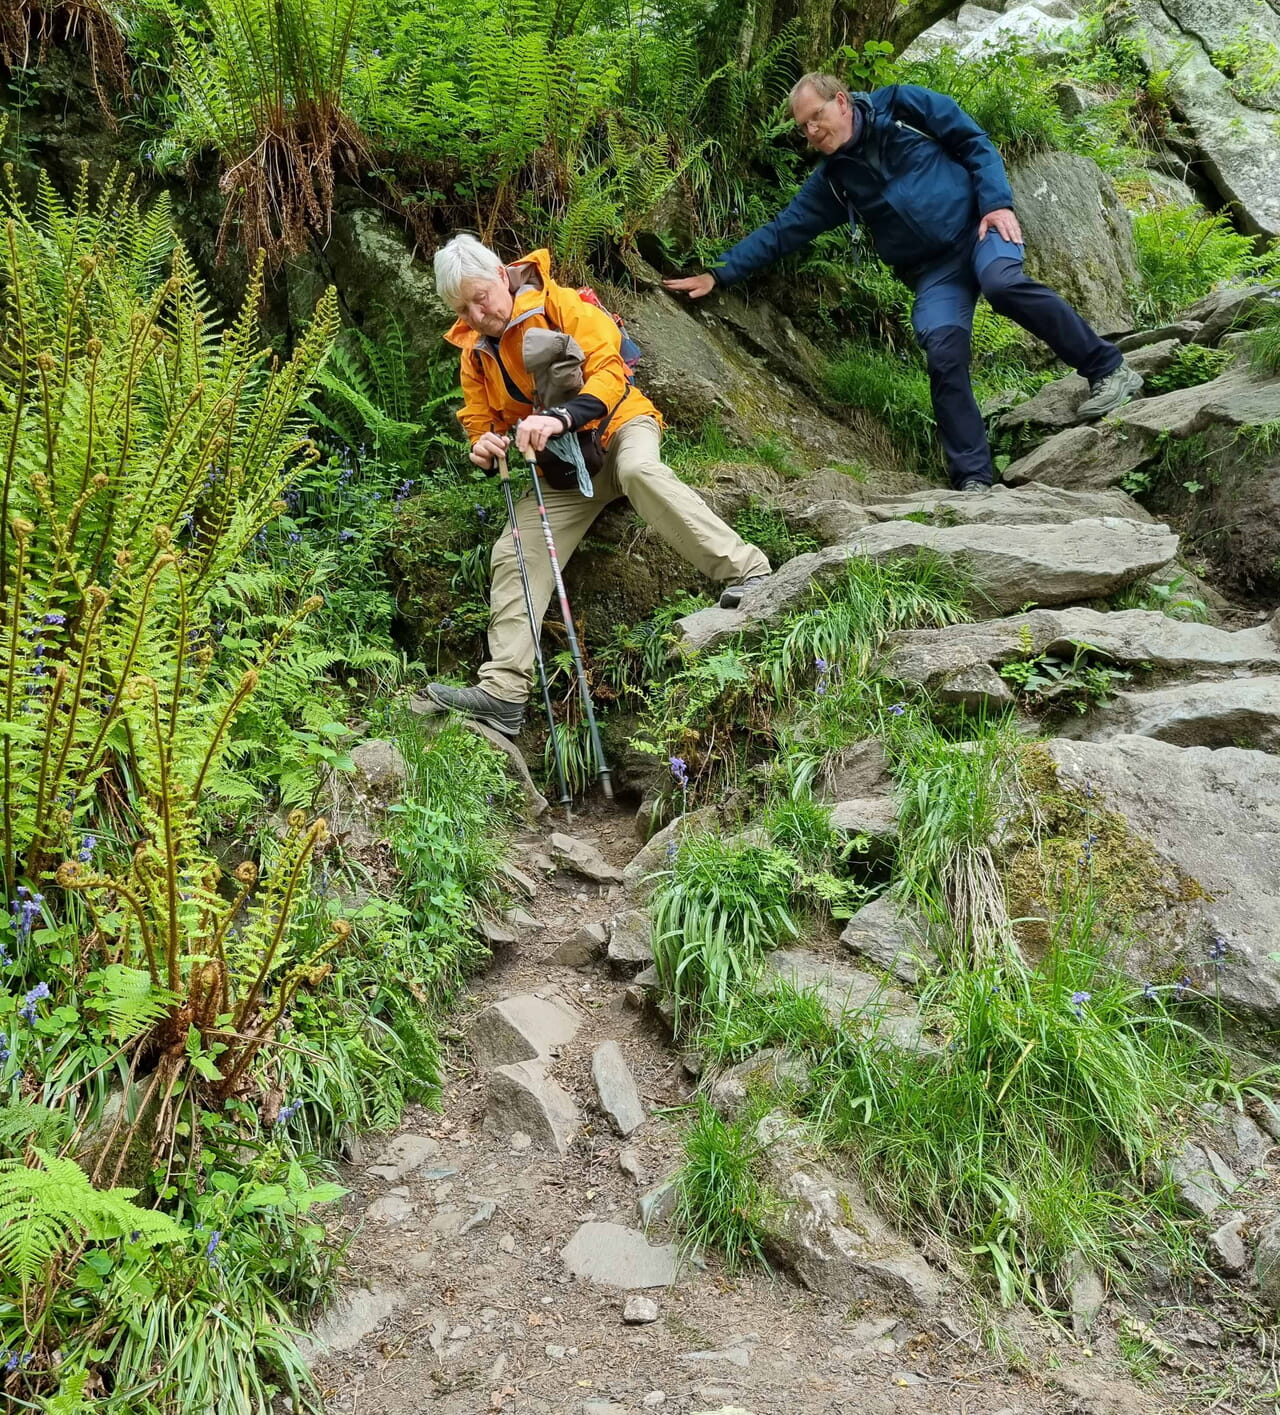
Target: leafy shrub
1182	255
767	529
1005	90
1193	364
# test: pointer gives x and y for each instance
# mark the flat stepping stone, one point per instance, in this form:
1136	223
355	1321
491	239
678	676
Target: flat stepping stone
404	1155
614	1256
631	938
521	1028
616	1087
352	1316
1238	712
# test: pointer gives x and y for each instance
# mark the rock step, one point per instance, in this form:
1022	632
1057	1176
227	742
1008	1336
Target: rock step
521	1028
1240	712
1007	566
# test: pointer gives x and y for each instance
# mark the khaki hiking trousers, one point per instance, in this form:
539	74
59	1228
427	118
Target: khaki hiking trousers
632	468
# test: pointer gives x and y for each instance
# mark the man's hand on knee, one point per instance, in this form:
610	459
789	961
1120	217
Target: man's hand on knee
1004	223
486	447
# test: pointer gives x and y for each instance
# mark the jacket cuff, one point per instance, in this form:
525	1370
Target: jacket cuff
579	411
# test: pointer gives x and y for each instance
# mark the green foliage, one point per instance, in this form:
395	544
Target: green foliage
1193	364
766	528
1005	90
1253	66
1264	341
262	83
1169	597
893	387
1182	254
722	1200
1081	681
718	909
50	1210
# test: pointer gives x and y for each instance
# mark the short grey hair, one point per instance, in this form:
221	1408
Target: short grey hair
463	258
826	86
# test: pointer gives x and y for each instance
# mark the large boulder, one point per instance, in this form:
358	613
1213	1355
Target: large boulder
701	367
1212	820
1130	636
1078	235
1233	128
1007	566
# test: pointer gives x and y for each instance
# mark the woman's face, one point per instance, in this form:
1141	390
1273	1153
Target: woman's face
484	303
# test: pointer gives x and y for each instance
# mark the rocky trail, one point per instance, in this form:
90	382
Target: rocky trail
489	1272
514	1252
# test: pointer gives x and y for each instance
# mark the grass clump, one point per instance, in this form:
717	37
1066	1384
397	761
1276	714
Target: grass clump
893	387
1264	341
1192	365
722	1199
718	909
766	528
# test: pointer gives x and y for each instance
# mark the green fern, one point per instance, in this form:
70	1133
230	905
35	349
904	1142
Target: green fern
133	1004
70	1399
49	1211
24	1122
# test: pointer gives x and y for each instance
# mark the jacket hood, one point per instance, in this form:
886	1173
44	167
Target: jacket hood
460	333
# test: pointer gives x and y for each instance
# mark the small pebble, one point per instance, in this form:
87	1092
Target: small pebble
520	1141
639	1311
507	1243
655	1397
459	1333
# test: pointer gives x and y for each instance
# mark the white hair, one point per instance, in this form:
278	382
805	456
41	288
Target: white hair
463	258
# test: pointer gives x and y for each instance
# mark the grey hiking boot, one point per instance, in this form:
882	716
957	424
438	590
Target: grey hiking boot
1112	392
731	597
503	716
974	485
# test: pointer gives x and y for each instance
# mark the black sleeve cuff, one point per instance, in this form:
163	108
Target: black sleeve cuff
579	411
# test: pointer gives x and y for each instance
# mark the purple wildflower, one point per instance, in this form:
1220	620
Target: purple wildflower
25	910
288	1112
898	709
404	491
680	770
211	1248
28	1009
1218	949
55	619
346	535
1078	1000
482	513
1149	991
1181	986
5	1053
87	846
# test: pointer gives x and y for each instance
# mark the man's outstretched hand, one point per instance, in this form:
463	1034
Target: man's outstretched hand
695	286
1004	223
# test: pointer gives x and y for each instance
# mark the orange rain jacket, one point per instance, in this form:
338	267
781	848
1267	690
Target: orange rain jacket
490	406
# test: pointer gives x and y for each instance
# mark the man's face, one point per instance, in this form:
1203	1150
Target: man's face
484	303
827	123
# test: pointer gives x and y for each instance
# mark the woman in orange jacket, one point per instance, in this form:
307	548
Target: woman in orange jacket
496	305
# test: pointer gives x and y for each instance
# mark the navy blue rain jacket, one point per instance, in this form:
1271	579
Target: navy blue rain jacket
919	178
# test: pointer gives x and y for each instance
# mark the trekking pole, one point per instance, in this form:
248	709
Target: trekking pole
504	475
606	782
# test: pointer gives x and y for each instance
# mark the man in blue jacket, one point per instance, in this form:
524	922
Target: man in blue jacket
930	189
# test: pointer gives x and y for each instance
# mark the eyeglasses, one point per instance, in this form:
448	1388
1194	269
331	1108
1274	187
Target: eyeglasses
804	124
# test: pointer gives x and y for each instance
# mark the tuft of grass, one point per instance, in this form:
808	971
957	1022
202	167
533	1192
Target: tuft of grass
722	1200
895	388
1264	341
1192	365
954	799
767	528
717	910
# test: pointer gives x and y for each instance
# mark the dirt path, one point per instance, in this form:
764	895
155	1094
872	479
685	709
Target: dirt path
458	1300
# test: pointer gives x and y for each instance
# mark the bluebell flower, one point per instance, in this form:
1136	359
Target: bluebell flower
87	846
680	770
482	513
55	619
1149	991
1181	986
404	490
211	1247
1218	949
898	709
288	1112
294	537
25	910
28	1009
346	535
1078	1000
5	1053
